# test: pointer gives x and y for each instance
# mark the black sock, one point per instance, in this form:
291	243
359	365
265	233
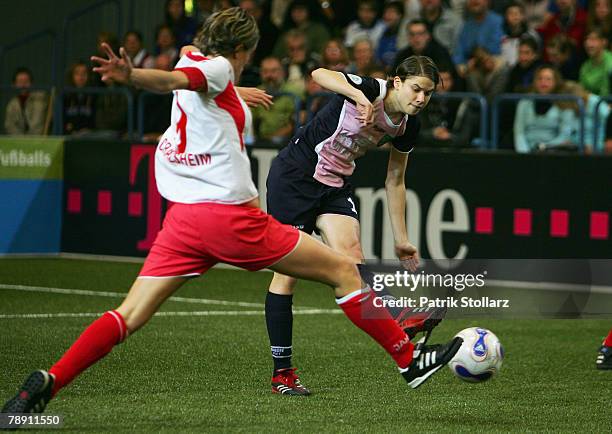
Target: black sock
279	320
368	277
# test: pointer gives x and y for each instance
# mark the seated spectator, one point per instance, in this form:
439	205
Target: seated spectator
570	21
515	28
599	15
448	122
387	45
132	42
544	125
562	54
79	107
268	32
520	81
334	56
300	19
442	22
591	102
482	28
277	123
521	75
421	43
165	42
487	75
596	70
157	107
367	25
299	61
363	58
183	27
26	112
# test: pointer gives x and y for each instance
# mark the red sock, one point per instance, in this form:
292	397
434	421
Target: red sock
378	323
608	341
94	343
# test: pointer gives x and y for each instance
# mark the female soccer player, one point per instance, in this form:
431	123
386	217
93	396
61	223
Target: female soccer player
308	188
203	169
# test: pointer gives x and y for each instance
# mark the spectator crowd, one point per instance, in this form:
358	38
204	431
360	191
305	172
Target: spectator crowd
487	47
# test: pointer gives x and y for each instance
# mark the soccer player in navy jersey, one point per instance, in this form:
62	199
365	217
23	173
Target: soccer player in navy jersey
202	166
308	188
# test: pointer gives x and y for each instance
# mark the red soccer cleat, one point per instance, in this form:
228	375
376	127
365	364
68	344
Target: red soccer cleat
286	382
420	319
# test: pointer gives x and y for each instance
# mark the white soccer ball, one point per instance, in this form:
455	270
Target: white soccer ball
480	356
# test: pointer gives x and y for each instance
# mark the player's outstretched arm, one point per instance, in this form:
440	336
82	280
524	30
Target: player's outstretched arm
336	82
395	188
121	70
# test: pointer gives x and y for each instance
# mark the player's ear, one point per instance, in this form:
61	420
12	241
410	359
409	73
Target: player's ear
238	49
397	82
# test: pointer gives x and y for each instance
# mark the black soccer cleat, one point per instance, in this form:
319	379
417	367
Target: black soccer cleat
286	382
604	358
33	395
428	360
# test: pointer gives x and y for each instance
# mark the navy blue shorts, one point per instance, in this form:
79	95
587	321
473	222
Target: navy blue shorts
296	198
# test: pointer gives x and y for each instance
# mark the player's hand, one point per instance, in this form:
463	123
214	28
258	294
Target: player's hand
254	97
365	110
188	48
408	256
114	68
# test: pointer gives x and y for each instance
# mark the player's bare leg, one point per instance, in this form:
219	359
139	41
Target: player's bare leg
143	300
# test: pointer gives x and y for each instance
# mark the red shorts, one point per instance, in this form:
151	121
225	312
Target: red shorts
194	237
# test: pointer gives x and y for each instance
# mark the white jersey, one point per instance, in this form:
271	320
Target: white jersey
201	157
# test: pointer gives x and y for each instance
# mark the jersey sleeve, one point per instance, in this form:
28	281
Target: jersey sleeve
210	76
371	87
406	142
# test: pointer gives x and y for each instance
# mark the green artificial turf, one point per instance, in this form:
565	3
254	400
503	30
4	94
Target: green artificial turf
211	373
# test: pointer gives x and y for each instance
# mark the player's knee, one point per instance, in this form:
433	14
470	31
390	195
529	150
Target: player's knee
282	285
347	274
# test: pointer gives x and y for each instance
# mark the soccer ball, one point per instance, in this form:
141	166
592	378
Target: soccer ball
480	355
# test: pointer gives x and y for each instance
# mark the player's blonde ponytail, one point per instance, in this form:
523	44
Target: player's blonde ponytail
226	31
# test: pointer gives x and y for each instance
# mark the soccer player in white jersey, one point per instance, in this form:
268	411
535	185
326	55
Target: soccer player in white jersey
202	167
308	188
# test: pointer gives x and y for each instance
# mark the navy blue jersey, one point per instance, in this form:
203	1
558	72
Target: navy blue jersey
328	145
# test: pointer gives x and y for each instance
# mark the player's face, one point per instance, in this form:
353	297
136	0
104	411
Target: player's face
414	93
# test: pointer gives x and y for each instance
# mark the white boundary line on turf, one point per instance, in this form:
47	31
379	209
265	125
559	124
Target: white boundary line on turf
85	292
551	286
167	314
106	258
